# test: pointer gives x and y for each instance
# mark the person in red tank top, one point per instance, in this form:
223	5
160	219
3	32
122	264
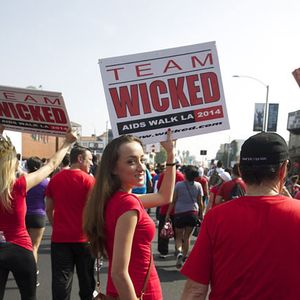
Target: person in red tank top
116	222
15	244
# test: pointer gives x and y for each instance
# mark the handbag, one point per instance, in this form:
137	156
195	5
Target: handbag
197	228
167	231
101	296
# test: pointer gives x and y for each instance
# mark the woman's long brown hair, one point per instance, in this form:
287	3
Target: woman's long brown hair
106	185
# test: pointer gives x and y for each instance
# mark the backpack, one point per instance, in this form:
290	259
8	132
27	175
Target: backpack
236	191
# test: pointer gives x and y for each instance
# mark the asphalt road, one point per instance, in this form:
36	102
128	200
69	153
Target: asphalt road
172	281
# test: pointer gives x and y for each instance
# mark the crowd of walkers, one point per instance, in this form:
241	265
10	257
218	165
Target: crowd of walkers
247	246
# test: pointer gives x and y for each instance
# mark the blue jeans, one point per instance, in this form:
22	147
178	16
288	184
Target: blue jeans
21	263
64	257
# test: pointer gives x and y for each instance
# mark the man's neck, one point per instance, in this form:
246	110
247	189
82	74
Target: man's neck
262	190
75	167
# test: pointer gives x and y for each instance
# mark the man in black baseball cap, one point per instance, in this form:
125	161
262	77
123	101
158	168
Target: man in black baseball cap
264	149
262	156
249	248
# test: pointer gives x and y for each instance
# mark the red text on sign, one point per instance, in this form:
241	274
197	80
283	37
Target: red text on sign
145	69
159	96
33	113
30	98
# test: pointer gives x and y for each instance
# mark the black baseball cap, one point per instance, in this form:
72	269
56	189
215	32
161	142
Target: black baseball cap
265	148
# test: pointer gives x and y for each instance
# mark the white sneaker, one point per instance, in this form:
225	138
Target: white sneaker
179	261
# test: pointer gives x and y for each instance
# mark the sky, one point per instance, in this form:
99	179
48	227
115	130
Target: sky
57	44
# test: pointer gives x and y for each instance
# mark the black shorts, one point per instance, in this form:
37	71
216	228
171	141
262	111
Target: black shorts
188	219
35	221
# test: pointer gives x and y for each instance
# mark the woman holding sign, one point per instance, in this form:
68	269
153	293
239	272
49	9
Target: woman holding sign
15	244
116	222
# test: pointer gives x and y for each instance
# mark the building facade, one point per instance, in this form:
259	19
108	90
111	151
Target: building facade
229	153
44	146
41	145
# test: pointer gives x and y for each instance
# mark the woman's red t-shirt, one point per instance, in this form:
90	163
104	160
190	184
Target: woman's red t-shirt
12	222
117	205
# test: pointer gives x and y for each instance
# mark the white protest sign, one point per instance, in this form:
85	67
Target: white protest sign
149	148
179	88
33	111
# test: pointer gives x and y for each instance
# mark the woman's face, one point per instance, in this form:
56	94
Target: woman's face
130	167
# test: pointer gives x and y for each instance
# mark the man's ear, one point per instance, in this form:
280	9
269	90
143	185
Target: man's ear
80	158
283	170
282	174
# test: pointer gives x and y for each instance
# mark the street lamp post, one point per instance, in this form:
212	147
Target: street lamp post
267	98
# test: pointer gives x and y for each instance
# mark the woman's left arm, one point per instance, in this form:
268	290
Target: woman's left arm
32	179
124	233
171	206
165	193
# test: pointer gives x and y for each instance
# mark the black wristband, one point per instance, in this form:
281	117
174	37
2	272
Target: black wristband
171	164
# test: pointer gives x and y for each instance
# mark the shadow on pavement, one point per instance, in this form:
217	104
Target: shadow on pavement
169	275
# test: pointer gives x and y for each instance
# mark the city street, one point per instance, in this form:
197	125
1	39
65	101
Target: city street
171	280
